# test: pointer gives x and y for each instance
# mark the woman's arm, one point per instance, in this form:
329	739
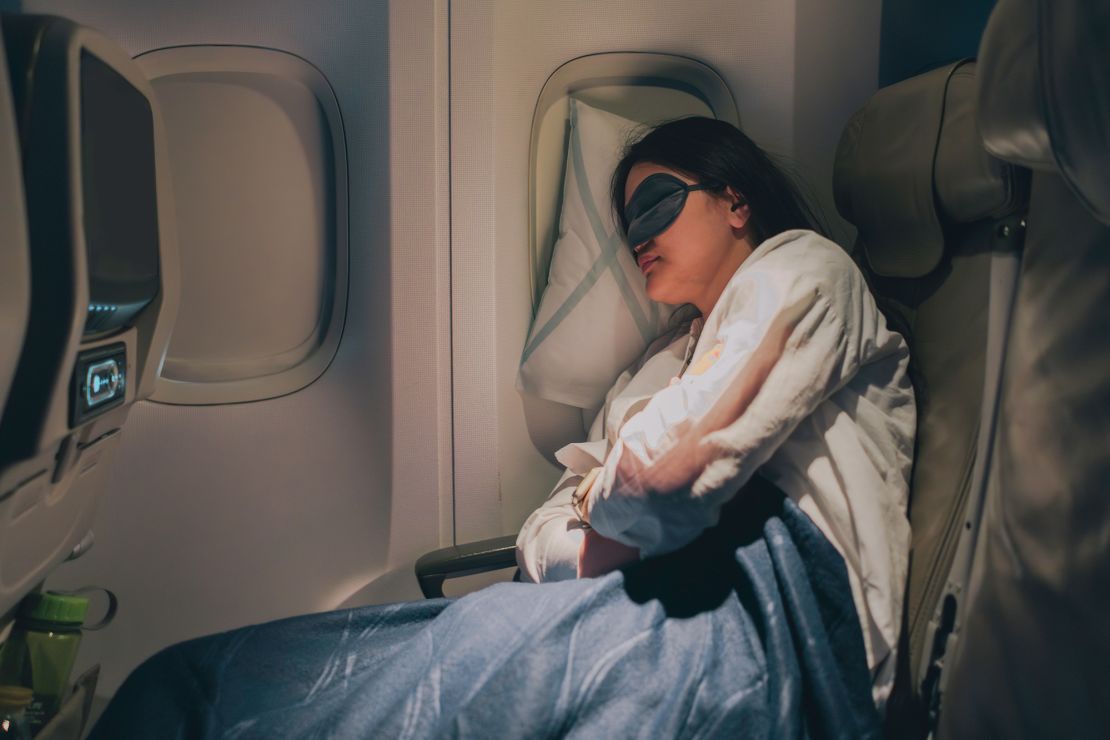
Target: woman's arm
694	448
682	463
785	349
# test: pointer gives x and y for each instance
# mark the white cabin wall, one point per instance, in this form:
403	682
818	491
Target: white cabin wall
220	516
502	52
420	213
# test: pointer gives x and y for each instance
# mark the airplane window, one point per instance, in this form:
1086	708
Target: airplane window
258	163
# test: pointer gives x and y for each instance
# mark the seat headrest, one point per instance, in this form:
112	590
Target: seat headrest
1044	91
911	157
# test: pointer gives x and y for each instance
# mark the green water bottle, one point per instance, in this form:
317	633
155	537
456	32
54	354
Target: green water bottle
40	652
14	701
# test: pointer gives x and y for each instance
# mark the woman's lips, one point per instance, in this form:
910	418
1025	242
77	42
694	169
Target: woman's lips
646	262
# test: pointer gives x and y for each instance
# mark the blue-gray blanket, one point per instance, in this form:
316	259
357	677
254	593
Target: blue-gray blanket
750	631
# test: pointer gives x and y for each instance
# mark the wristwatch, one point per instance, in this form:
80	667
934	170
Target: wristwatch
581	493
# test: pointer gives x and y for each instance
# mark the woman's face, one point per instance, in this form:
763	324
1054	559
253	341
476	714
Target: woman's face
692	260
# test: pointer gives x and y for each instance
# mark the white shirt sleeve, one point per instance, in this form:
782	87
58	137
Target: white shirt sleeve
547	546
779	346
548	542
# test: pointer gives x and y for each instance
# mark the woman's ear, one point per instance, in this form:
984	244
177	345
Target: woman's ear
740	212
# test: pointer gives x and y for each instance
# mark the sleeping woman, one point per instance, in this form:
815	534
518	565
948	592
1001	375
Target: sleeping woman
725	555
789	371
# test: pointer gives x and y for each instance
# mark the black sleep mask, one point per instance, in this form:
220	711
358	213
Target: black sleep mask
655	204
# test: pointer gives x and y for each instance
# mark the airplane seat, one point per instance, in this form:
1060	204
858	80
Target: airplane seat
932	208
102	277
1031	661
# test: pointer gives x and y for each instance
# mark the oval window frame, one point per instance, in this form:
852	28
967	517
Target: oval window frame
237	60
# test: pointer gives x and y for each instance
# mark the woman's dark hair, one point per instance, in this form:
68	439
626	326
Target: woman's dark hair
717	152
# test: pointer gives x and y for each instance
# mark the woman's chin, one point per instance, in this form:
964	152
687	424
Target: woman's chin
658	292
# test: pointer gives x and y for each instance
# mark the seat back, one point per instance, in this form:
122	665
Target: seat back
1031	661
931	207
103	285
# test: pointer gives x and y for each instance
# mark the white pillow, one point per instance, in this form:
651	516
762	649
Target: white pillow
594	319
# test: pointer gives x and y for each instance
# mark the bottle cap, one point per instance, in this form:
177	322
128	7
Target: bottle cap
52	607
15	697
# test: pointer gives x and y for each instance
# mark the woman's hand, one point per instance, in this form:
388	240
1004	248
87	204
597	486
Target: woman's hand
599	555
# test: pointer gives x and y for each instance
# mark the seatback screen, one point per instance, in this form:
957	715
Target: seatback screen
120	197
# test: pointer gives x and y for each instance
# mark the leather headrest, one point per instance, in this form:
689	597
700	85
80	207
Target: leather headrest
971	185
1044	91
912	157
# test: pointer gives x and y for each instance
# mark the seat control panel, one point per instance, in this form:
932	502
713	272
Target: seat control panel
99	382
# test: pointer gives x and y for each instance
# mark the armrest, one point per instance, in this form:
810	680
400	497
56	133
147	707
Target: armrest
464	560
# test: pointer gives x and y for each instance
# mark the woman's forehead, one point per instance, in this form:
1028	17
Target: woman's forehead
642	170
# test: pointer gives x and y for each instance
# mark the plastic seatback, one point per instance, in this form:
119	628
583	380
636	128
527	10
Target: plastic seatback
53	460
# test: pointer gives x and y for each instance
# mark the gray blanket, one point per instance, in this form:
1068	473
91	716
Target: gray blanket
749	631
